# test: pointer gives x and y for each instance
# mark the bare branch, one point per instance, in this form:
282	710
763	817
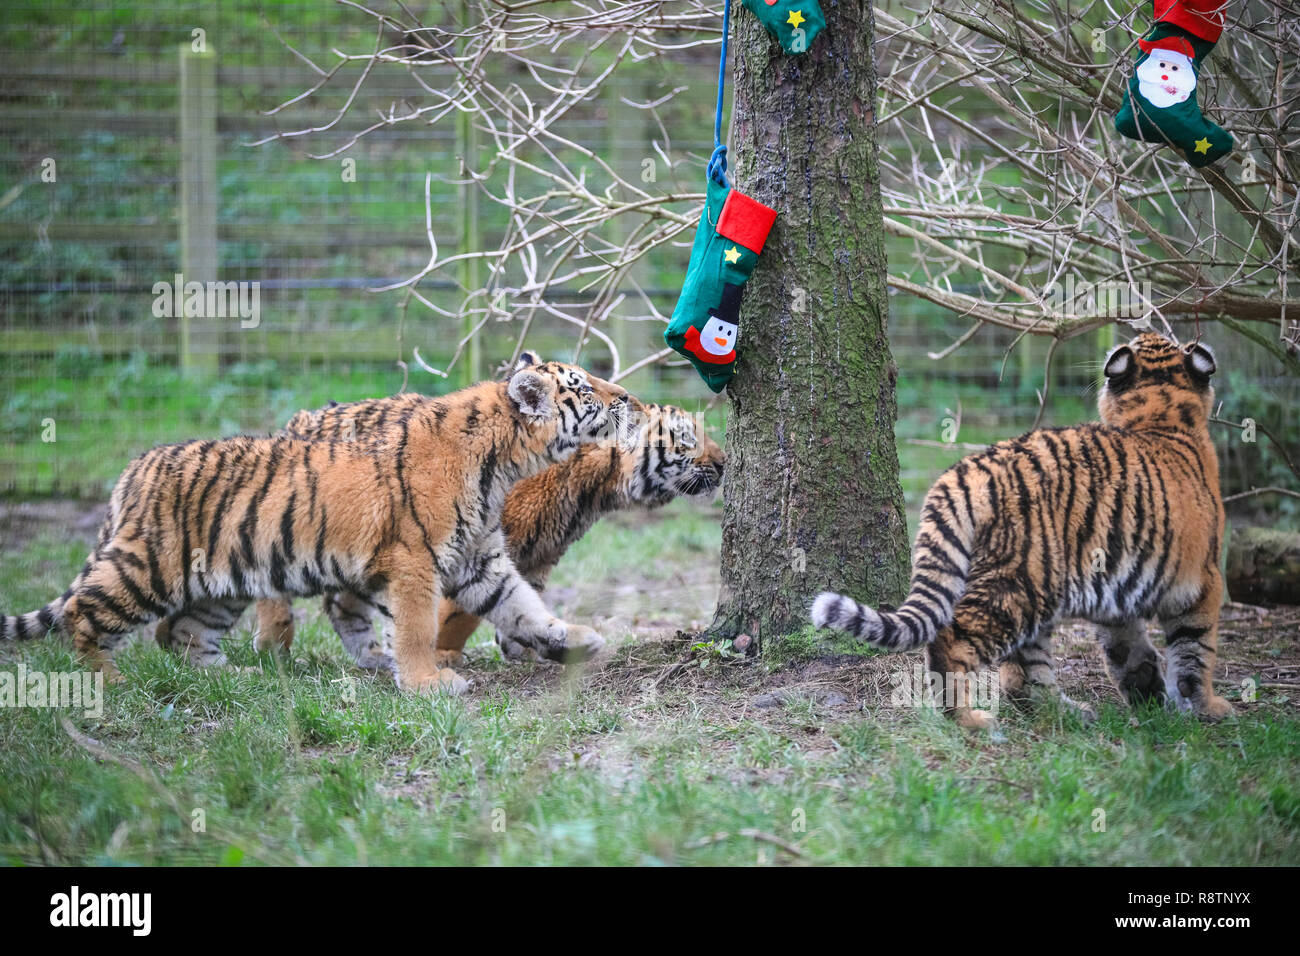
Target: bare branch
1001	171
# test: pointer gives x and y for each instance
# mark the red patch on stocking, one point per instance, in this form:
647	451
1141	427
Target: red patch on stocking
746	221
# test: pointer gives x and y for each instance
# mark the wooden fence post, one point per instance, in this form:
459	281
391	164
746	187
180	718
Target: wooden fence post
468	272
627	148
200	337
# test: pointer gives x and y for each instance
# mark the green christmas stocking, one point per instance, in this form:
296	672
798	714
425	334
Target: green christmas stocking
1160	102
728	241
793	22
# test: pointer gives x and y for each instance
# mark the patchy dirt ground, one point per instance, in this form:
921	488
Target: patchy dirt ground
1259	644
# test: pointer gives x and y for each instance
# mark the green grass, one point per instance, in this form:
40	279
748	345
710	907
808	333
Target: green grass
634	761
106	412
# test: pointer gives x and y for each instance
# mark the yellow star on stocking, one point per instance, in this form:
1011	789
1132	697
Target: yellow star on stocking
732	256
1202	145
796	18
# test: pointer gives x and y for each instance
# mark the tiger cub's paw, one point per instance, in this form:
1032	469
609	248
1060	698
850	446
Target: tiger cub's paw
445	681
971	719
1143	682
111	674
376	657
452	659
1084	712
578	644
513	649
1214	708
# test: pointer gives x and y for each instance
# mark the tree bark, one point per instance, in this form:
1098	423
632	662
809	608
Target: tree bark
812	499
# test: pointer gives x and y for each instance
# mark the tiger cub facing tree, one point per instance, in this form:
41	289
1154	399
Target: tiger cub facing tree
668	456
1113	522
198	530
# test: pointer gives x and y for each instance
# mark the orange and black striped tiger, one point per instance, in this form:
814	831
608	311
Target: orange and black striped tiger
666	455
202	528
1113	522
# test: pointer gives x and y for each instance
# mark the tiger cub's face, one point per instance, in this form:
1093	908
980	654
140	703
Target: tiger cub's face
672	456
583	408
1153	381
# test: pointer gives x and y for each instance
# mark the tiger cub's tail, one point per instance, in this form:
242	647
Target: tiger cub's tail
941	562
26	627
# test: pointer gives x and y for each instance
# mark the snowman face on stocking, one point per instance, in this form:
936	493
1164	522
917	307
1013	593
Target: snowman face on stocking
716	342
1166	78
718	337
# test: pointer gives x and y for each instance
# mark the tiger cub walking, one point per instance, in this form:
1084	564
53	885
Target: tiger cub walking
196	531
1113	522
669	455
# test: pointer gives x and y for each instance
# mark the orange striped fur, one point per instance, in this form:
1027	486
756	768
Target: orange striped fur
198	530
667	455
1113	522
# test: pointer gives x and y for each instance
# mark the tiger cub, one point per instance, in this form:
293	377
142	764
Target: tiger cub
1113	522
543	515
202	528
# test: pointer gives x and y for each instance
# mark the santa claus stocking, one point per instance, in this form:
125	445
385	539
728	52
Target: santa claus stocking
1160	103
705	326
793	22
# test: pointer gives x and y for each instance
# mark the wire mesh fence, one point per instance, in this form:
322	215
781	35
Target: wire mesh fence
129	174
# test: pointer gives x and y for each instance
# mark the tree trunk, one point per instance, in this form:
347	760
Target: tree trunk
812	493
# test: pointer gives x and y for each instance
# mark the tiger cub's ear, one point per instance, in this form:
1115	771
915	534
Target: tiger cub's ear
1200	363
1119	363
526	359
529	393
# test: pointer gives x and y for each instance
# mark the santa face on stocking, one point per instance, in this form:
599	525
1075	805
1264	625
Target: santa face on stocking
1160	98
1166	78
